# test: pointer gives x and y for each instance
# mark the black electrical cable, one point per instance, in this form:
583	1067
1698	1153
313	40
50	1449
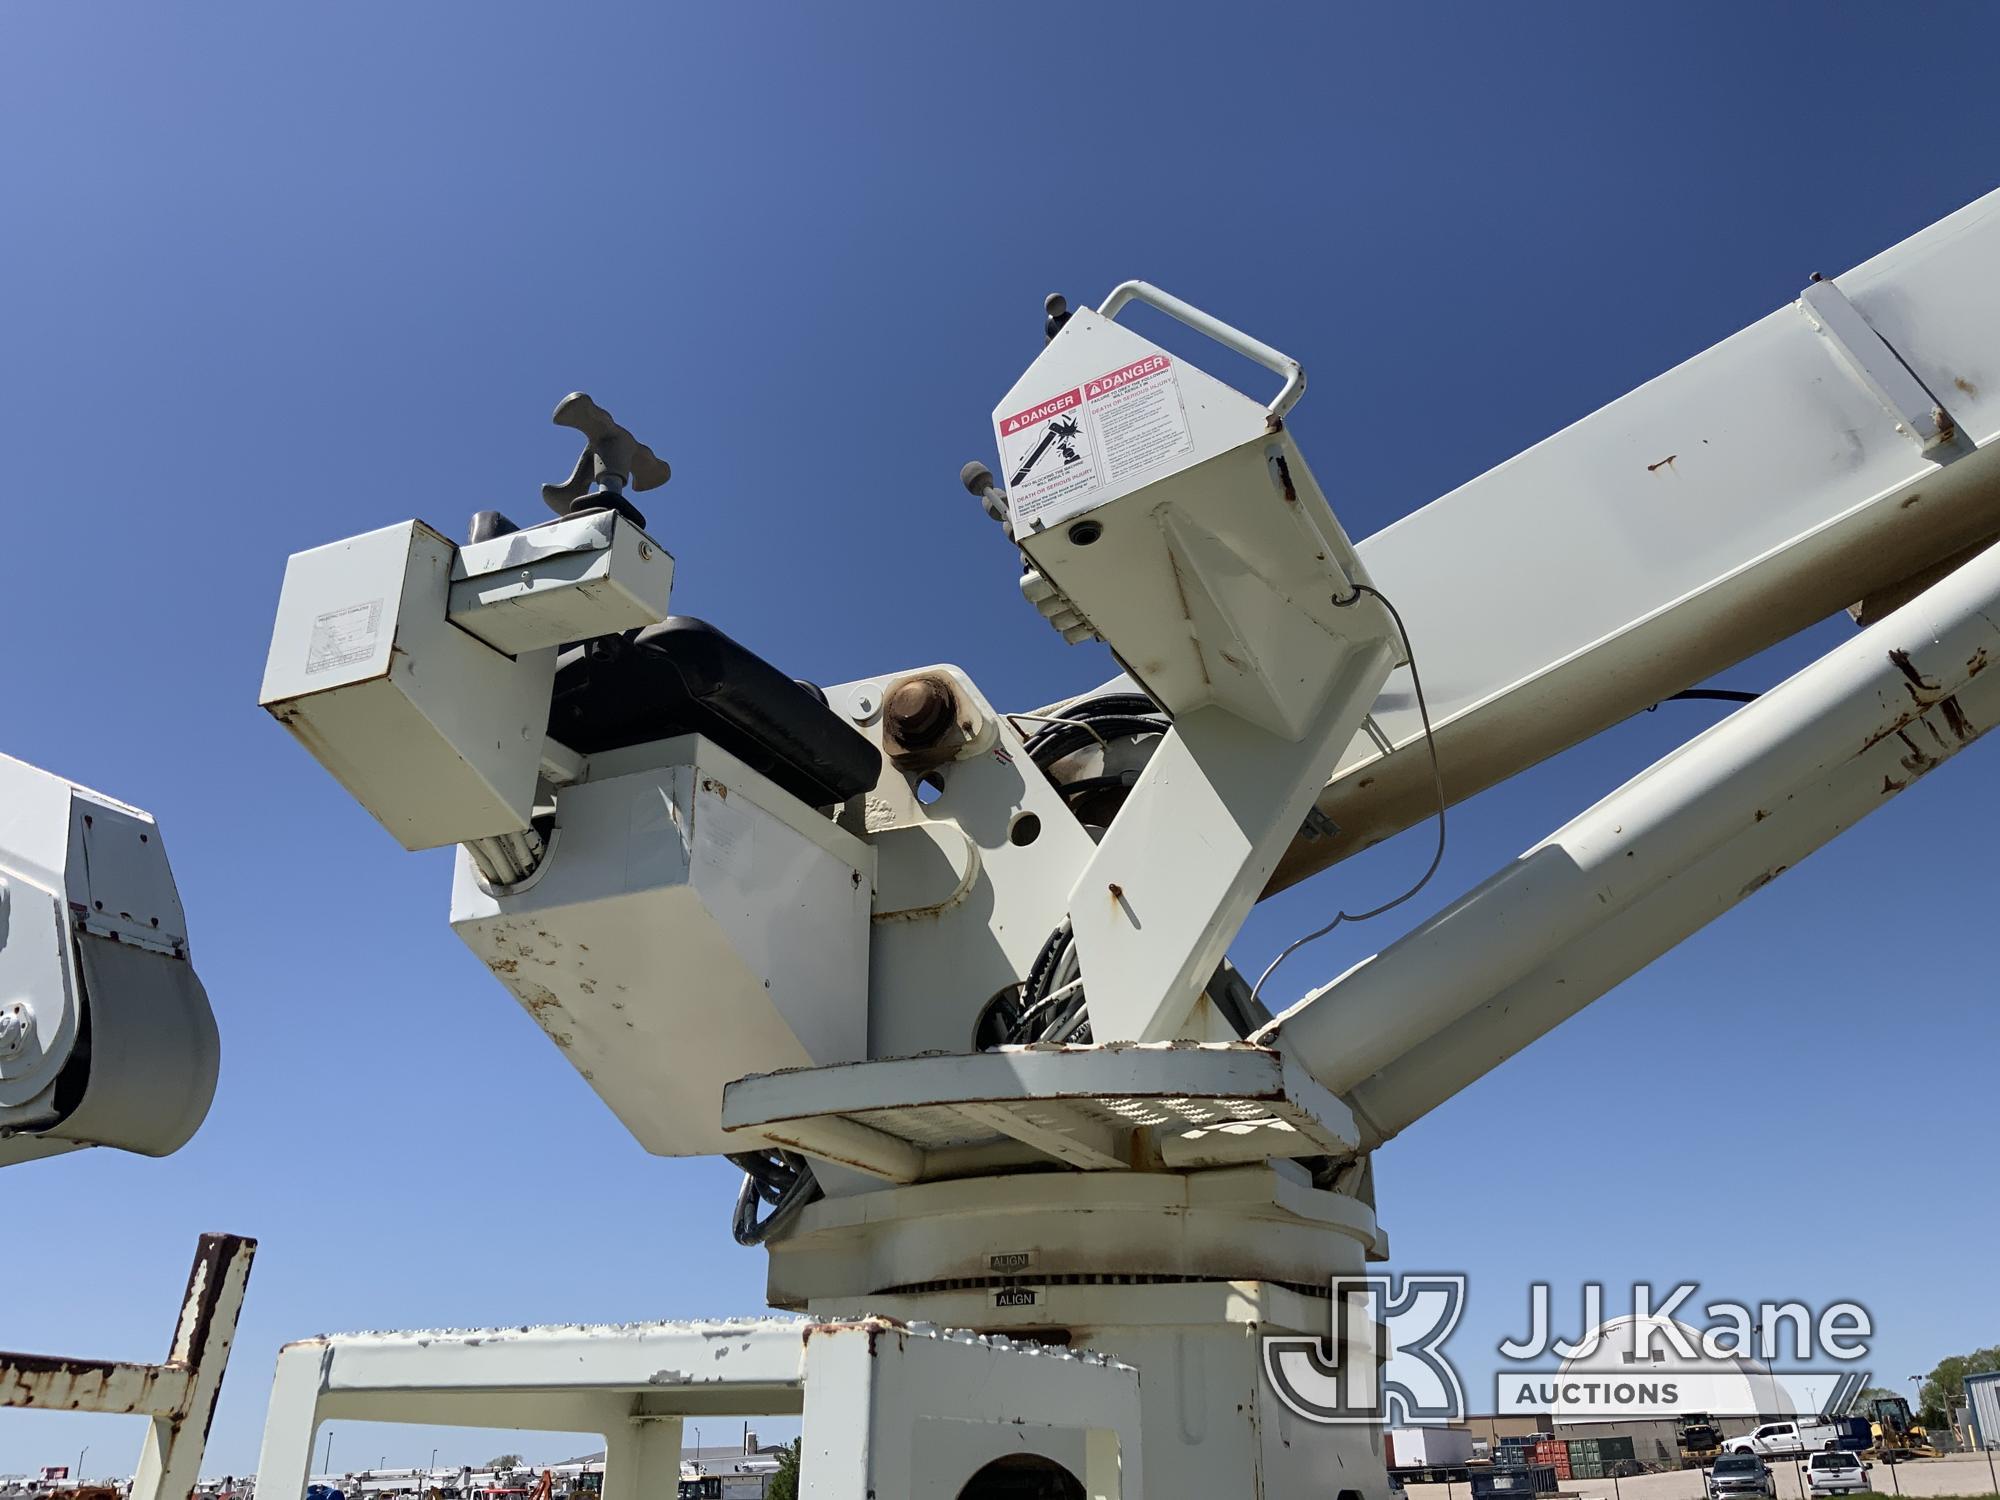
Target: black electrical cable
778	1178
1039	991
1437	777
1094	721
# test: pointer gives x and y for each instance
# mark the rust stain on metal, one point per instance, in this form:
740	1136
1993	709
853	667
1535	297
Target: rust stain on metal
1956	721
1761	881
870	1328
1665	463
504	965
1918	684
1285	480
710	784
172	1392
546	1008
1761	814
1911	499
1902	722
1891	786
1965	385
1976	663
1919	760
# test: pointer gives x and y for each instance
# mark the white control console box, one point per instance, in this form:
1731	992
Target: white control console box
567	580
419	673
689	925
1178	518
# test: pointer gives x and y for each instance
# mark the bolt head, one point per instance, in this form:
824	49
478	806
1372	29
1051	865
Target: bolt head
920	711
17	1022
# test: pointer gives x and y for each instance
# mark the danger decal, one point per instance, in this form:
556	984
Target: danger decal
1065	448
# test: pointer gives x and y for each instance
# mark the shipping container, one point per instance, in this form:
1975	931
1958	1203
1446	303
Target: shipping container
1430	1447
1598	1450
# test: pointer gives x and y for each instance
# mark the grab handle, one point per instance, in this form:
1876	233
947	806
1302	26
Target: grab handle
1221	332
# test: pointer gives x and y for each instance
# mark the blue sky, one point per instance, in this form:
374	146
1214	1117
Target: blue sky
276	275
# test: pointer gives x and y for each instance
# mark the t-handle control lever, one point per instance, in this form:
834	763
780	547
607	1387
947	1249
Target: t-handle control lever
611	458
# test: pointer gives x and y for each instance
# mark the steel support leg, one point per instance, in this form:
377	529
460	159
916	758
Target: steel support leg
642	1459
178	1395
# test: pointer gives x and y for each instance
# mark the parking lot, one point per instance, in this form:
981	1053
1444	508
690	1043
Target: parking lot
1954	1474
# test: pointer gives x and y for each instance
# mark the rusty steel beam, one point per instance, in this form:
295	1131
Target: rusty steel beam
178	1395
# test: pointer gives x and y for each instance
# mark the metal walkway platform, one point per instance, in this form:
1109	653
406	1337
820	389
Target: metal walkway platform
1159	1106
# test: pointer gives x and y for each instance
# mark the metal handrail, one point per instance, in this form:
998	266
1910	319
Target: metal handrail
1230	338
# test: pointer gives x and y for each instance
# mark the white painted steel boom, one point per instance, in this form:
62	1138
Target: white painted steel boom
1727	504
1671	849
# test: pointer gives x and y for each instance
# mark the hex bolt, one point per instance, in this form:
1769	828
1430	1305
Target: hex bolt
919	711
16	1022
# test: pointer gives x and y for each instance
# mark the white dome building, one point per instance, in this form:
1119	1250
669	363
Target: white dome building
1656	1367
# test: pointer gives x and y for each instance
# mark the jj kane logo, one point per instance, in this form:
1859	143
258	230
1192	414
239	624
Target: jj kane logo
1384	1361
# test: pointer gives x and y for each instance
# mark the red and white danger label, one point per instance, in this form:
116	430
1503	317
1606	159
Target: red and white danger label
1034	416
1138	416
1063	452
1050	457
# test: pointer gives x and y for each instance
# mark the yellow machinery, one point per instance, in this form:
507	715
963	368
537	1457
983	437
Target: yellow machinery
1700	1438
1896	1432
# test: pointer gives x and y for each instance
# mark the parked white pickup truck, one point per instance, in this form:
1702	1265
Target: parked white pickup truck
1786	1439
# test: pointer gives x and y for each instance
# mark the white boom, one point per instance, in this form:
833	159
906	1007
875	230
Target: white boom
1669	851
106	1037
949	981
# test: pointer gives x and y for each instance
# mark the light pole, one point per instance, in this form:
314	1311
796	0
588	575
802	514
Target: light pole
326	1464
79	1463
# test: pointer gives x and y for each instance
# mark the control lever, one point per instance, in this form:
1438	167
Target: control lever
611	458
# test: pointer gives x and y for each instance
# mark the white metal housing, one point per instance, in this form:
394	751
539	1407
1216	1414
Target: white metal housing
93	941
677	862
433	731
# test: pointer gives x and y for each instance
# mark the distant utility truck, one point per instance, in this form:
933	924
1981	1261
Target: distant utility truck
1795	1439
